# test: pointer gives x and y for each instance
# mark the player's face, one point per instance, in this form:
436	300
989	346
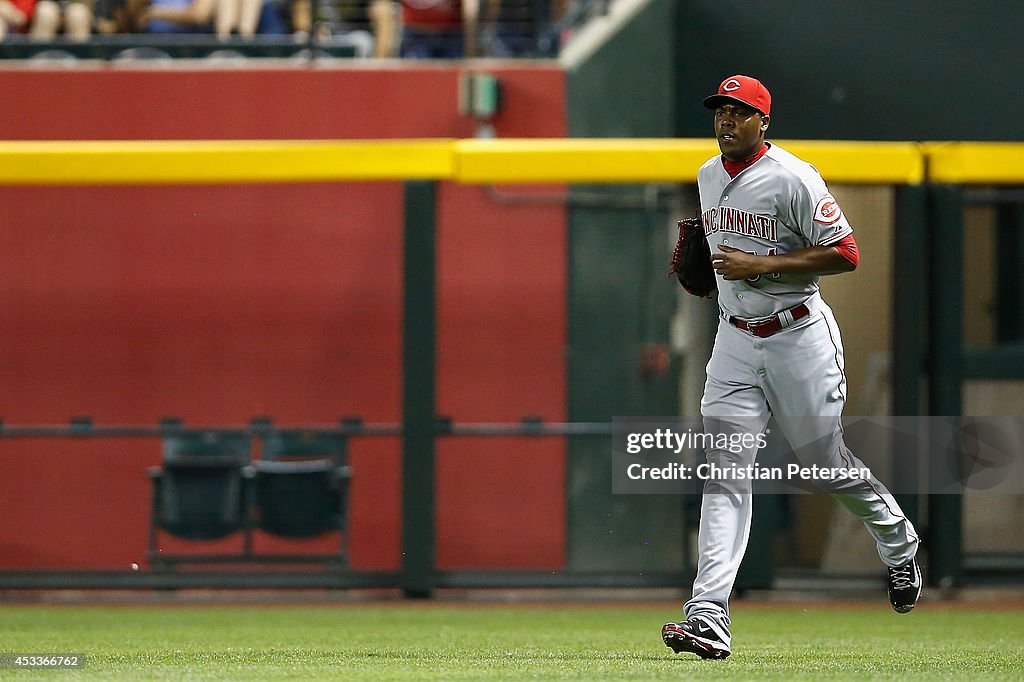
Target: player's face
740	130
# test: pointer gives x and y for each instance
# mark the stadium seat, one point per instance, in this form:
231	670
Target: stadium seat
200	492
54	57
301	486
227	57
151	54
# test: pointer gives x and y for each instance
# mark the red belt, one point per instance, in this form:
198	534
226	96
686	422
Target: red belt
771	325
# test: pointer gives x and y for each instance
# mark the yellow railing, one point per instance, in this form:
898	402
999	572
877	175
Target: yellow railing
481	161
966	163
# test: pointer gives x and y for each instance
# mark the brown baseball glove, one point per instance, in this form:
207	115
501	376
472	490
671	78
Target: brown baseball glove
691	259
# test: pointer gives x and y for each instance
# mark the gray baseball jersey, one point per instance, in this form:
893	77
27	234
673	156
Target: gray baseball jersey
778	205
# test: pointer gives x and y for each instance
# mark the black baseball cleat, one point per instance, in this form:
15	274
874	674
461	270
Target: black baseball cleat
905	586
698	635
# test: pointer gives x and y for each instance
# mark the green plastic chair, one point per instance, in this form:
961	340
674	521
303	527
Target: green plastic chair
199	493
301	485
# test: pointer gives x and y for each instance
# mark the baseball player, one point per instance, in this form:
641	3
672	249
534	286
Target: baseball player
773	230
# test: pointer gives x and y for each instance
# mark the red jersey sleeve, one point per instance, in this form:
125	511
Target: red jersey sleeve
847	246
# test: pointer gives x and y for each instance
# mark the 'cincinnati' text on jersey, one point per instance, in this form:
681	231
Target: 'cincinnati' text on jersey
728	219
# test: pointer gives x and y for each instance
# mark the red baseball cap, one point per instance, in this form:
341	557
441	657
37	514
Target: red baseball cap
744	89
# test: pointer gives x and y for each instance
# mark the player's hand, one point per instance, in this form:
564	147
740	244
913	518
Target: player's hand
733	264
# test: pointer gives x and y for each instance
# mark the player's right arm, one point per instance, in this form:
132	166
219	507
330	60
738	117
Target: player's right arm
733	264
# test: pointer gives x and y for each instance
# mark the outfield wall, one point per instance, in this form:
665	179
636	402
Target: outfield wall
470	511
220	303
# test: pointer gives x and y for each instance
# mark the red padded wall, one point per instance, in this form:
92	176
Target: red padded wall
221	303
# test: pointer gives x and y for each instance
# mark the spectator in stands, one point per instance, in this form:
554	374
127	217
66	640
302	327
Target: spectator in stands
120	16
75	16
369	25
445	29
15	15
272	18
523	29
194	16
177	16
237	16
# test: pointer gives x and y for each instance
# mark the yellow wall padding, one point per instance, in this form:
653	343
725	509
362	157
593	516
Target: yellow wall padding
975	162
482	161
647	160
216	162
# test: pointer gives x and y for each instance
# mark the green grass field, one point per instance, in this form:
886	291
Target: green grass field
485	642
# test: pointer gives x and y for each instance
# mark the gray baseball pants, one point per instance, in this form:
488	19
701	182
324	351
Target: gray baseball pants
797	376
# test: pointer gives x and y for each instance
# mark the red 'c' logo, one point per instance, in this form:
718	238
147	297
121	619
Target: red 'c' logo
730	85
827	212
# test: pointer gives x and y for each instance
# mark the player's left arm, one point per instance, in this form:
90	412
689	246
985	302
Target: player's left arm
733	264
